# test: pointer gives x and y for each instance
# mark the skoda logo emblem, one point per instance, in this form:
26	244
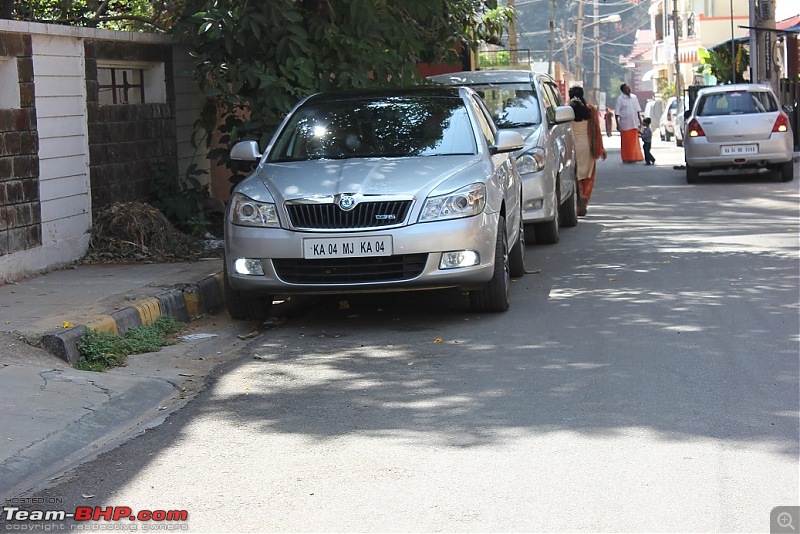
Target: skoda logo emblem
346	202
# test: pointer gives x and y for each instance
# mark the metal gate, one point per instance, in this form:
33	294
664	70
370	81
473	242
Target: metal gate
789	96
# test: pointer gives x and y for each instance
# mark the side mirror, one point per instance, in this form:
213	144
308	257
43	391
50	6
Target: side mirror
246	151
507	141
564	114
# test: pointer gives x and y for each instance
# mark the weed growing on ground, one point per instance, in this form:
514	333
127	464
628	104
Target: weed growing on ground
102	350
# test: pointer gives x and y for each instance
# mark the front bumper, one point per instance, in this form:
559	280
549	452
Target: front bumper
472	233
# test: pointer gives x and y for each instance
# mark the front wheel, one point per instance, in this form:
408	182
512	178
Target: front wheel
493	297
569	209
516	258
245	306
547	232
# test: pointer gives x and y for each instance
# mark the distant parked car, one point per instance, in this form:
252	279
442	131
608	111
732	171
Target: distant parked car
737	127
679	121
371	191
666	126
530	103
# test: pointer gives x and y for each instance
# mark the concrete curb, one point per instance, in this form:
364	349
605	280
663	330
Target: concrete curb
182	304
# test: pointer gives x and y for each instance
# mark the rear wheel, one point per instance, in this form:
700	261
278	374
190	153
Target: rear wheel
246	307
692	174
569	209
787	171
493	297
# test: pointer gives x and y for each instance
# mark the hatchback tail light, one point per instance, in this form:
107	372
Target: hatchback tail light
694	129
781	123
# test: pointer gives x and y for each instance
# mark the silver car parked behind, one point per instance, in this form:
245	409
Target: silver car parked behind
530	102
377	191
736	127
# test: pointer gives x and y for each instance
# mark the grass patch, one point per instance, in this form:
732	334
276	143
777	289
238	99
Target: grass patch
102	350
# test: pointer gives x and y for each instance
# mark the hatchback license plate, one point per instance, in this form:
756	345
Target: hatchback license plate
735	150
347	247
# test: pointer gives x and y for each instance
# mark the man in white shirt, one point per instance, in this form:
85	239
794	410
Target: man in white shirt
629	116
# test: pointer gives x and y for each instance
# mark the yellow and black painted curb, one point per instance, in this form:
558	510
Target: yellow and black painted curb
182	303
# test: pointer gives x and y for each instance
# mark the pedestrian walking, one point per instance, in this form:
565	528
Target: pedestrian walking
588	145
609	119
647	141
629	117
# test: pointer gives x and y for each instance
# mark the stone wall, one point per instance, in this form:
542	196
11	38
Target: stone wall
20	215
128	144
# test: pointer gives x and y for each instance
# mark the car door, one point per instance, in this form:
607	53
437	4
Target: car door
504	169
560	138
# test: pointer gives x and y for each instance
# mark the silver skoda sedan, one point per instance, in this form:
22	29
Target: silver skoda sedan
377	191
737	127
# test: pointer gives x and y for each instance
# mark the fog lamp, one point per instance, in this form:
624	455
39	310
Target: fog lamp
248	266
459	258
535	204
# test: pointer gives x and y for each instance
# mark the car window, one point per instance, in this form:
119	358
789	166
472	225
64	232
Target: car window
485	122
554	93
736	103
378	127
511	105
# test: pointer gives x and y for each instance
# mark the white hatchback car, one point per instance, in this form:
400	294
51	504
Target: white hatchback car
371	191
736	127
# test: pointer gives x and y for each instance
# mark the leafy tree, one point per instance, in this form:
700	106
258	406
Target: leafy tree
126	15
255	60
717	61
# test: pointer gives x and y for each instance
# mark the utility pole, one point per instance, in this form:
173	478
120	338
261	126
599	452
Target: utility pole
512	35
675	27
552	36
596	65
579	45
754	52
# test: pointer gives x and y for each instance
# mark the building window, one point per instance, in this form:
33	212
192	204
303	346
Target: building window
121	86
128	84
9	83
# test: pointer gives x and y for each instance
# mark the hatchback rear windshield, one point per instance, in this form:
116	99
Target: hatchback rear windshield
512	105
381	127
736	103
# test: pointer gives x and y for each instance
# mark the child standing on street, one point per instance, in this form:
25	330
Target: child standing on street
647	140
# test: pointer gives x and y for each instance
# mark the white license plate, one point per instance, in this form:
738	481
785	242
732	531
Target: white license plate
735	150
347	247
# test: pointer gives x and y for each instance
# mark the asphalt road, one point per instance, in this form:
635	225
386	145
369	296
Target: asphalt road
645	379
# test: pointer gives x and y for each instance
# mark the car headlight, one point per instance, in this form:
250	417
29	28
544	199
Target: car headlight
531	161
248	212
465	202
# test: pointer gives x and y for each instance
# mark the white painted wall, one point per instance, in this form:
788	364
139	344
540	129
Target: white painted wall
60	91
189	103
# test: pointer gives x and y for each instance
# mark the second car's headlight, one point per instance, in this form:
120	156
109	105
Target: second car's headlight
465	202
531	161
247	212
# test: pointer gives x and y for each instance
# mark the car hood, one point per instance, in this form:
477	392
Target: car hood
414	176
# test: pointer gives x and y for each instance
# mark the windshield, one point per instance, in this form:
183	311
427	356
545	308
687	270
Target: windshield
512	105
381	127
736	103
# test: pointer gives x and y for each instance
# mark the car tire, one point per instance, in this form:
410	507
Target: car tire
516	258
678	142
246	307
787	171
493	297
661	135
692	174
547	232
569	208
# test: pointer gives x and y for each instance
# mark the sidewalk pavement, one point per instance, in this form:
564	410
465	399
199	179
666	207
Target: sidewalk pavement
52	415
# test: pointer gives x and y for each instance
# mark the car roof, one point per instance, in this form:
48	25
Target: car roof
487	76
734	87
388	92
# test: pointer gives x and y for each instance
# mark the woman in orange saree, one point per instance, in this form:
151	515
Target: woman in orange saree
588	145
